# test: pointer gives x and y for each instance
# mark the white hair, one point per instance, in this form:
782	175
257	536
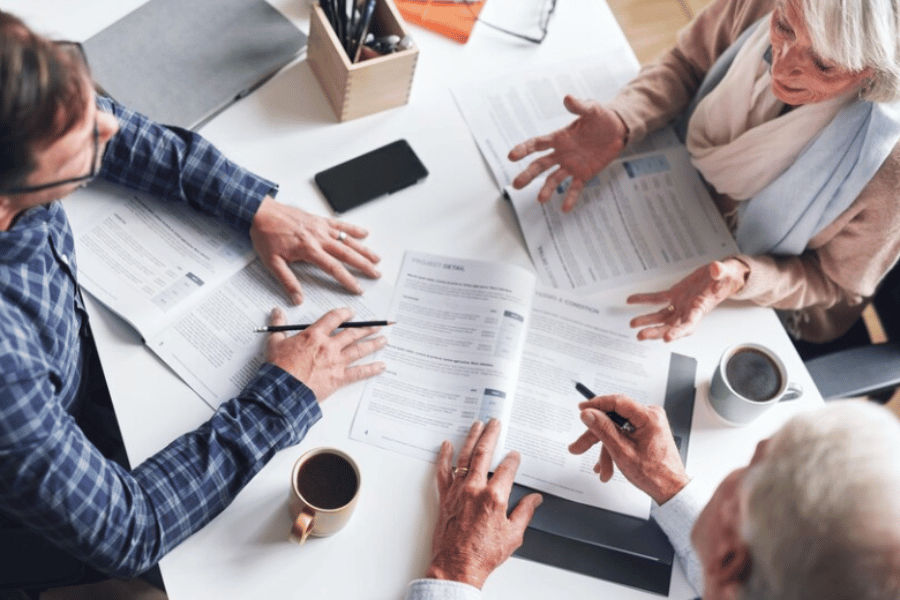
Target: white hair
822	509
857	34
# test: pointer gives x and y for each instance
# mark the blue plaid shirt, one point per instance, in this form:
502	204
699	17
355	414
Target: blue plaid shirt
52	478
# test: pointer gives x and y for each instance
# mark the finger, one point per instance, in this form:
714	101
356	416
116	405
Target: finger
347	336
677	332
572	195
358	256
533	170
649	298
465	454
535	144
605	430
546	192
326	261
287	278
505	472
654	318
606	465
555	179
576	106
276	317
522	514
349	228
331	320
484	450
585	442
360	372
362	349
638	414
653	333
444	470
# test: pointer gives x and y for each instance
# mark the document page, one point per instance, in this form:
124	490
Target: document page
193	287
505	111
452	357
146	258
643	217
214	348
474	340
572	339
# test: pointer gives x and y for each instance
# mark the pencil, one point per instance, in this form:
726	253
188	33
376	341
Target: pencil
301	327
620	421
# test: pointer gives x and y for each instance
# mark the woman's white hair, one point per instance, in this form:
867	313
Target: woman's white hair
857	34
822	509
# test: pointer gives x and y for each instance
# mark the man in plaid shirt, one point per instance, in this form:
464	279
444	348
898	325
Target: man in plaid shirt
55	135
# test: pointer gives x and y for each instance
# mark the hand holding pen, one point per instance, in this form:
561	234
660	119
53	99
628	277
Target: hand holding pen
647	457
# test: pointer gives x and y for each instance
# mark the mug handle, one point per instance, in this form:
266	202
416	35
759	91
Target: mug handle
793	391
301	527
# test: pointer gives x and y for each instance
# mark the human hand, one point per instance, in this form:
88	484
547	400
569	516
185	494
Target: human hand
322	360
473	536
647	457
283	234
580	150
689	300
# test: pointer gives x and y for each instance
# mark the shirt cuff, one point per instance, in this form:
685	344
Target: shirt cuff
440	589
676	518
285	394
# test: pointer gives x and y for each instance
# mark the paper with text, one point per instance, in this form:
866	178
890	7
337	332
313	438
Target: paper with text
476	340
643	217
193	287
505	111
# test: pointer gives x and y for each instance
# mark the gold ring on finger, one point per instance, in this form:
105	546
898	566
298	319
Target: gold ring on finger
460	471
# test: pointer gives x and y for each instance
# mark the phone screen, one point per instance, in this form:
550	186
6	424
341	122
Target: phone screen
382	171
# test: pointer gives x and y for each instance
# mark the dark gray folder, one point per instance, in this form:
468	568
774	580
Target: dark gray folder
180	62
605	544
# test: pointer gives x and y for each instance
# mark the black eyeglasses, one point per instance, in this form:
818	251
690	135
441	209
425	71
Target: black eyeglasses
76	50
543	25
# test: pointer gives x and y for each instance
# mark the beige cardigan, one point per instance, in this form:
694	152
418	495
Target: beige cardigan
821	292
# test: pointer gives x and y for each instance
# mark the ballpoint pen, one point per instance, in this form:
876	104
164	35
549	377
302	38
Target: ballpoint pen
301	327
620	421
362	29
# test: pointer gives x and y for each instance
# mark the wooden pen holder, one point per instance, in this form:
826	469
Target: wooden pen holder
365	87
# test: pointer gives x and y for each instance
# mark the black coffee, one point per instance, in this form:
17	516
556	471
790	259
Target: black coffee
327	481
753	375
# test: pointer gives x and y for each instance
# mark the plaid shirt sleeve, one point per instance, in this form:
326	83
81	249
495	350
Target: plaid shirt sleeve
177	164
57	483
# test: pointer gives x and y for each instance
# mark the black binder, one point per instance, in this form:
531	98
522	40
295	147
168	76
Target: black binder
604	544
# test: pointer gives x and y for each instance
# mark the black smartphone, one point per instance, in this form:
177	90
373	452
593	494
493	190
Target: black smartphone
382	171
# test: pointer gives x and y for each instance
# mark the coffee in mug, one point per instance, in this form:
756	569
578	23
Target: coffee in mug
753	374
748	380
325	484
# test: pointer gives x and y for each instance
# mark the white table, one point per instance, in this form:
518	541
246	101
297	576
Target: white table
286	131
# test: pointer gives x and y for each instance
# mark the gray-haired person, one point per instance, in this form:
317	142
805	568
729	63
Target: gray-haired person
814	514
788	108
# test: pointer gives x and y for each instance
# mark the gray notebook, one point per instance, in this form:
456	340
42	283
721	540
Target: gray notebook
180	62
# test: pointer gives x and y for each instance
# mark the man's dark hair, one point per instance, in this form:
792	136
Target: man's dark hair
43	95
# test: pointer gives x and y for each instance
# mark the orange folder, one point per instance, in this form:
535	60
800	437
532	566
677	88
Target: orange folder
453	19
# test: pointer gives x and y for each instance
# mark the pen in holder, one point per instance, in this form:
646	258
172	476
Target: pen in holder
369	85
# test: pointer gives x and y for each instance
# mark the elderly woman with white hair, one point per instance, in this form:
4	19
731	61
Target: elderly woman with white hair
787	108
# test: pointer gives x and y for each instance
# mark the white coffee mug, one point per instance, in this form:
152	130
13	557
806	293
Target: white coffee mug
749	380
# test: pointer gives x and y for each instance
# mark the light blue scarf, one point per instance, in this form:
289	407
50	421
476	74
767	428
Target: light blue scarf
828	175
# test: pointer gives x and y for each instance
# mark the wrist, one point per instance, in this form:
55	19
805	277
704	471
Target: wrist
624	133
740	273
450	571
669	488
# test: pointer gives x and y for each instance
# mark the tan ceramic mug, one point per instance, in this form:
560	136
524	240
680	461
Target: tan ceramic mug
325	485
